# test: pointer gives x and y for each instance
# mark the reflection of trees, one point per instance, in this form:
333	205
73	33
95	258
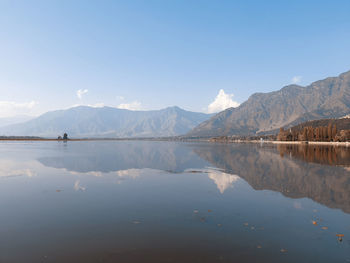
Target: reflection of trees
263	168
316	153
293	170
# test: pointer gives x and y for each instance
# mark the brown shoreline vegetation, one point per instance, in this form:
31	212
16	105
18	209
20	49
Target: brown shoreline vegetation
324	132
319	134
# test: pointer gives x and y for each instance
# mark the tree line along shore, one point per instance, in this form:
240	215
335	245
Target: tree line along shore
325	131
317	131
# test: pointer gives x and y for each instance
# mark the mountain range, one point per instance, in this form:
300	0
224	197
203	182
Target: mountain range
84	121
14	120
293	104
262	113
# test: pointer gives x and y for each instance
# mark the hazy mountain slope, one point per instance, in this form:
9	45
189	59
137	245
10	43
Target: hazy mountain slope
86	121
328	98
13	120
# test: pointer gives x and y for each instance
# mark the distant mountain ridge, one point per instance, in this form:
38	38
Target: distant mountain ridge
293	104
14	120
84	121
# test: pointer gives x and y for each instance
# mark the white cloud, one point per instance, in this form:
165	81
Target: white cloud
11	108
81	92
296	79
96	105
135	105
120	98
222	102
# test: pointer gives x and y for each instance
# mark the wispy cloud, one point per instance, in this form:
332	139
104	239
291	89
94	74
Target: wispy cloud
96	105
12	108
135	105
81	92
222	102
296	79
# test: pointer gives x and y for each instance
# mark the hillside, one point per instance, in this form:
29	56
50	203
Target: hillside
86	121
293	104
342	124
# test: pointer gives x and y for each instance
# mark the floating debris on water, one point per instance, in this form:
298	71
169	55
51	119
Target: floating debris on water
324	227
246	224
283	250
58	190
314	223
136	222
258	246
194	171
195	211
340	237
209	210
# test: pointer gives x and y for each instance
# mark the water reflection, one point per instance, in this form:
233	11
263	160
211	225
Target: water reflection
78	186
290	174
170	202
107	157
11	168
293	170
330	155
222	180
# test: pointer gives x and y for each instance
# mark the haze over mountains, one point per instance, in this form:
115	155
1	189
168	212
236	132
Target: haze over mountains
14	120
261	113
84	121
293	104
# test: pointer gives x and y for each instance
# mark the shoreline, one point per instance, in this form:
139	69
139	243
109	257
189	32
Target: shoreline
347	144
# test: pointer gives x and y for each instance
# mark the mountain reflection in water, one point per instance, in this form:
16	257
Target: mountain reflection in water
287	170
293	170
140	201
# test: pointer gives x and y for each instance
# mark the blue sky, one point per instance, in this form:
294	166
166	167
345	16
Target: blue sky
154	54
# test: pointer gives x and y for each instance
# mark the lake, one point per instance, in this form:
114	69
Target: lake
143	201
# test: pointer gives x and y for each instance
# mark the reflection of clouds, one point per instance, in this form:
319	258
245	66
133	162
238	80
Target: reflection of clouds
10	169
78	187
25	172
131	173
222	180
95	173
120	175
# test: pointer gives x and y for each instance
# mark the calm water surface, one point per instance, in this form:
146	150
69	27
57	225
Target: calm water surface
138	201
